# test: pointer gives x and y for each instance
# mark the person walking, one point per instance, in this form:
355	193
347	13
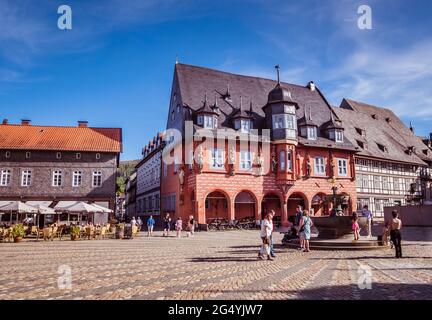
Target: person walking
395	234
272	253
305	233
167	225
179	226
133	222
355	226
368	214
265	234
139	223
191	226
150	226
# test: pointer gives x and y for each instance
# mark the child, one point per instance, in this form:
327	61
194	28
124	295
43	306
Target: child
179	226
355	227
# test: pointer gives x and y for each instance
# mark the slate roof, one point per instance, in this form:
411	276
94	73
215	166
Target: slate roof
195	81
382	127
35	137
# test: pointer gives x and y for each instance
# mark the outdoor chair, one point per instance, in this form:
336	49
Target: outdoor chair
47	233
59	232
89	232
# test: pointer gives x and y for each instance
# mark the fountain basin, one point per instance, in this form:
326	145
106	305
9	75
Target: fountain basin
336	227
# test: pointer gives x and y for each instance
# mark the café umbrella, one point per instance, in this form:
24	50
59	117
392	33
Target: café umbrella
17	207
81	208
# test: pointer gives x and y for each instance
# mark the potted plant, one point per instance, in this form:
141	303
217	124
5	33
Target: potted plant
75	232
18	232
120	231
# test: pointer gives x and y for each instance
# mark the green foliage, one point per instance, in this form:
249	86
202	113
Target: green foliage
125	169
18	231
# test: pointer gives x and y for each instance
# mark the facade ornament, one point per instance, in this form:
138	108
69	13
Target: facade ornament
260	163
200	159
181	175
308	167
232	160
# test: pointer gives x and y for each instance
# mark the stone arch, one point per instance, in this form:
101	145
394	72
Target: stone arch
272	201
245	205
294	199
217	205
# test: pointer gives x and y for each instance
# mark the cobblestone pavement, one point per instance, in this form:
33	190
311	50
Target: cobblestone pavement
212	265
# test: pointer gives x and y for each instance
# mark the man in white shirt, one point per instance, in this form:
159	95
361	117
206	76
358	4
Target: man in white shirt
265	234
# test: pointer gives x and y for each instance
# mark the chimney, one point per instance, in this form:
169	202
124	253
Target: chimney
82	124
311	86
5	121
25	122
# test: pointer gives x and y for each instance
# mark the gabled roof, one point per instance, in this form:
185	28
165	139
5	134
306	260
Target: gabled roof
195	81
35	137
382	127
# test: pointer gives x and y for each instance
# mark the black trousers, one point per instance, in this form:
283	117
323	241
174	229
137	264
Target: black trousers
395	237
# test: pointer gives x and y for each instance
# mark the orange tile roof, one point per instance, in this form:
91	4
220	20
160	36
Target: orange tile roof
33	137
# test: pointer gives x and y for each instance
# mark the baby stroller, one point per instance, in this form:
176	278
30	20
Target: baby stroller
290	235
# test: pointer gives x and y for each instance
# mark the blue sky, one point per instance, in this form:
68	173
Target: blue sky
115	67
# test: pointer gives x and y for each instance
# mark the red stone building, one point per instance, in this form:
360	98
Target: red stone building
307	154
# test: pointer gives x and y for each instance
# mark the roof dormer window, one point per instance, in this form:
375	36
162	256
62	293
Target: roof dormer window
207	121
244	125
311	133
336	135
339	136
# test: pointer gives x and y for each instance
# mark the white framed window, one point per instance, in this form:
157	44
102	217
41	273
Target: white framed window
284	121
78	155
342	167
97	179
57	178
244	125
311	133
26	178
217	159
200	120
245	160
289	160
7	154
28	155
5	177
209	122
178	108
339	136
58	155
282	160
98	156
77	179
319	167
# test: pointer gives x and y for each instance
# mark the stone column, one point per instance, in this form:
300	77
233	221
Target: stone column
284	218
